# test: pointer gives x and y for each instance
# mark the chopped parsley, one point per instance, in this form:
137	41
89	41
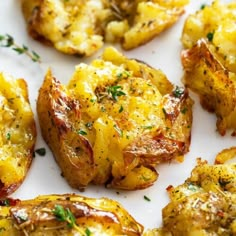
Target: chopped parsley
89	125
87	232
121	109
8	136
178	92
115	92
210	36
203	6
148	127
184	110
146	198
21	216
41	151
64	215
124	74
120	132
82	132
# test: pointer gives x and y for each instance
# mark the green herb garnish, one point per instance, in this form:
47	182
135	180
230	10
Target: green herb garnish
8	136
9	42
120	132
21	216
148	127
115	91
65	215
184	110
89	125
41	151
178	92
123	74
146	198
5	202
82	132
121	109
203	6
210	36
87	232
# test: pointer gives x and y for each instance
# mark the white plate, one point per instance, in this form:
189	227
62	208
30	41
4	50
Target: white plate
164	53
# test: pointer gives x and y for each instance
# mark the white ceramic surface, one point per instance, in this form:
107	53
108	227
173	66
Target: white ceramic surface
164	53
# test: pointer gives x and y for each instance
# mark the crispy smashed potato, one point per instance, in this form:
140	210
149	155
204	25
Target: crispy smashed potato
215	85
115	120
215	23
205	204
209	62
81	27
17	133
66	215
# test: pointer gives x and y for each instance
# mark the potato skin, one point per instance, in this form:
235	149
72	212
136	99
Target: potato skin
112	125
81	27
58	115
150	19
215	85
209	60
215	23
17	133
36	217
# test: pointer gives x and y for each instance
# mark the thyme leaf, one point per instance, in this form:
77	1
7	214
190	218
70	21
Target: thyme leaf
41	151
9	42
210	36
65	215
146	198
115	91
178	92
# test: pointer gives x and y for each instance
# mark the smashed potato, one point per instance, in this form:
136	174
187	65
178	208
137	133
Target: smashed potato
81	27
209	62
115	120
66	215
205	204
205	75
215	23
17	133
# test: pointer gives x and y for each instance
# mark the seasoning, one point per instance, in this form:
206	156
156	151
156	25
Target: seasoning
41	151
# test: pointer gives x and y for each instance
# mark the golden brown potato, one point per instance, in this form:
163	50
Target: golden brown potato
66	215
209	60
114	121
205	204
215	23
81	27
17	133
215	85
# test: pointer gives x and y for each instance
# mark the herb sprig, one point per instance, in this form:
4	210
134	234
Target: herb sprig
65	215
115	91
9	42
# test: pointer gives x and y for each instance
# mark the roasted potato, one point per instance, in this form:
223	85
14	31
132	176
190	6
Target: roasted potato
215	23
205	75
209	36
205	204
81	27
67	214
115	120
17	133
